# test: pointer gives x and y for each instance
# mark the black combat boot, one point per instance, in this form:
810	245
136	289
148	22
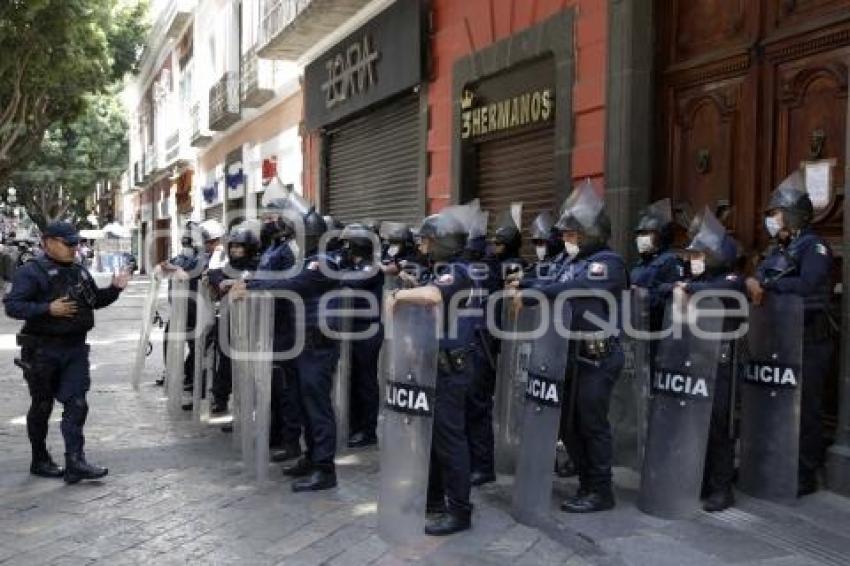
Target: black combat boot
76	468
303	467
566	469
289	452
480	478
218	407
44	466
449	523
590	502
719	500
362	439
322	477
580	493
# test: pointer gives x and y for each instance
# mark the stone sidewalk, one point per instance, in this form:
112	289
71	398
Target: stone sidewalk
176	494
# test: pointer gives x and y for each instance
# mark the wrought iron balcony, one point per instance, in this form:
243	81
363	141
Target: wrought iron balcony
198	136
224	102
291	27
138	179
257	80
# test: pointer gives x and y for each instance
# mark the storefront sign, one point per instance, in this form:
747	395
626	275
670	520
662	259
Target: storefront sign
530	108
382	58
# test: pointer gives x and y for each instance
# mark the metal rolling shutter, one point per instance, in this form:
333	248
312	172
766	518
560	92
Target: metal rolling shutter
518	168
373	165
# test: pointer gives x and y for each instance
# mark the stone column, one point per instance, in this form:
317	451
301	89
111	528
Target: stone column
629	130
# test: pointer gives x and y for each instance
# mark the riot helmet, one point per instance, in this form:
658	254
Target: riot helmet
398	238
283	213
506	237
359	240
546	238
314	228
584	212
192	239
712	241
243	243
793	200
445	234
654	230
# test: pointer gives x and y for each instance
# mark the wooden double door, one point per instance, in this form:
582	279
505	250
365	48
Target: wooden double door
748	90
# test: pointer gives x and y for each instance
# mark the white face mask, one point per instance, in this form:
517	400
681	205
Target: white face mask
773	225
541	252
571	249
644	244
393	250
697	266
188	252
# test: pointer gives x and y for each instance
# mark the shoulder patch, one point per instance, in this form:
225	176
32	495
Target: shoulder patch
597	270
821	249
446	279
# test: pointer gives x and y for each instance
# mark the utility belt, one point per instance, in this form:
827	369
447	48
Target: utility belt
39	341
454	361
595	348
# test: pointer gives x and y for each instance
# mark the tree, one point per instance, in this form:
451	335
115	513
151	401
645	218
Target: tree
72	159
55	54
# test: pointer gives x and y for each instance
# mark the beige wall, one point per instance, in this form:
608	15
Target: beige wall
284	115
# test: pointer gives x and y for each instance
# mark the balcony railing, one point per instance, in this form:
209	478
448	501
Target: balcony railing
138	173
198	136
224	102
291	27
257	80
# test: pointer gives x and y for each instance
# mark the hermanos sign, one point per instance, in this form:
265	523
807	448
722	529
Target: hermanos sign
528	108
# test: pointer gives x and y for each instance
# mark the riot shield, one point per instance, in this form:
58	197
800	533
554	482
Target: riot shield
235	335
176	344
511	381
407	421
342	381
682	391
544	397
770	399
202	377
256	405
631	392
148	311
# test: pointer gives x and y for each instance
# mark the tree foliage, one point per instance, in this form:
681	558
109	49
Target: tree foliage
72	159
56	55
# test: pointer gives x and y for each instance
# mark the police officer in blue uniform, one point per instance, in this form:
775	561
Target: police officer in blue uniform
596	354
547	247
712	255
243	246
56	297
314	366
443	237
657	264
800	263
363	274
278	256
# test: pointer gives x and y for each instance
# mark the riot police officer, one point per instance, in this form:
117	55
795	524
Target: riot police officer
596	354
313	367
278	255
243	245
362	273
657	263
712	255
443	237
547	246
800	263
56	297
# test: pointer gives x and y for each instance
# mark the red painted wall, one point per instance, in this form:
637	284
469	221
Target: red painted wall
463	26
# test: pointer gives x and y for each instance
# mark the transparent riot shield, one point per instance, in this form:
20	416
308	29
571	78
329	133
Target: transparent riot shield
256	404
342	380
682	391
148	311
203	369
407	421
544	396
511	381
631	392
235	334
770	399
176	344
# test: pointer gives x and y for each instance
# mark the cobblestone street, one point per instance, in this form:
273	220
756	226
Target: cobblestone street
176	494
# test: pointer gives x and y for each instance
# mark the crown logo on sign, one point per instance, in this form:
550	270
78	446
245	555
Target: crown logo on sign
467	100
